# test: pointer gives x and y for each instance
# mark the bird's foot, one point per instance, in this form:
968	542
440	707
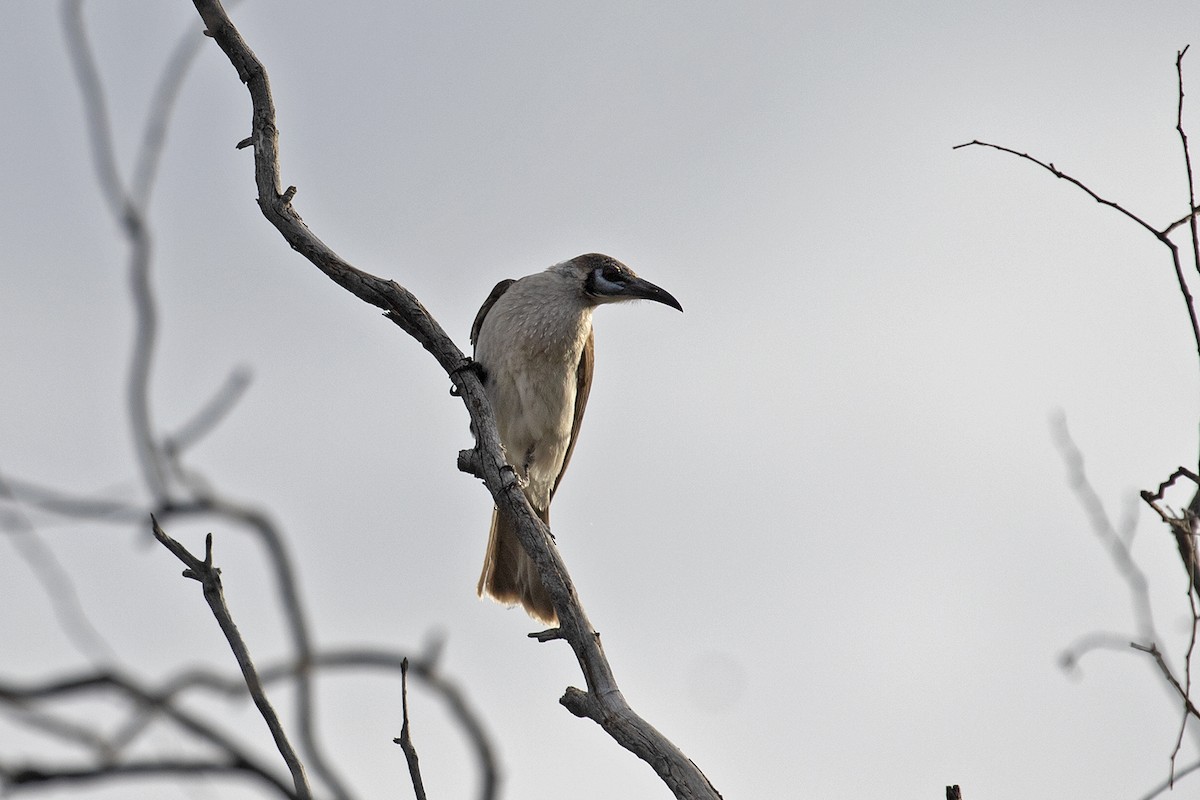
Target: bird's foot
514	478
467	365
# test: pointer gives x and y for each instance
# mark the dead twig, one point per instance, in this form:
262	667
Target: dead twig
405	738
209	578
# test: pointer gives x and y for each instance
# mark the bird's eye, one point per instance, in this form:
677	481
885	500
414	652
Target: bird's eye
606	281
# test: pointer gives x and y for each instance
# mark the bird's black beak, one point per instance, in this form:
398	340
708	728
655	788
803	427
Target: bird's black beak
645	290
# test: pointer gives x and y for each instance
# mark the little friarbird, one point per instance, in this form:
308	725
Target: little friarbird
534	345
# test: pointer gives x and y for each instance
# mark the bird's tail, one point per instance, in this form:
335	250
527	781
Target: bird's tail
509	574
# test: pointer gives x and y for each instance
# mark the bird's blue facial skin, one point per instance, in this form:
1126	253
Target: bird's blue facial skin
607	281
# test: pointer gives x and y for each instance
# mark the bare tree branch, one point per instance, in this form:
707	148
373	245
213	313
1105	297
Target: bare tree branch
1113	542
293	609
1071	656
1170	782
603	701
131	219
405	739
1163	235
1187	160
20	697
1153	651
147	705
64	730
1056	172
258	523
174	491
424	667
209	578
55	581
1139	587
1183	526
34	775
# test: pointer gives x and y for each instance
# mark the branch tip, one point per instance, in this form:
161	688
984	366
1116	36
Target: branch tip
577	701
468	462
548	635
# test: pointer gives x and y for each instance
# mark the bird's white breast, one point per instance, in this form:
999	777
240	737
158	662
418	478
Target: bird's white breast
530	345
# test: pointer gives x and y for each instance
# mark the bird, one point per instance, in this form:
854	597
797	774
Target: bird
534	348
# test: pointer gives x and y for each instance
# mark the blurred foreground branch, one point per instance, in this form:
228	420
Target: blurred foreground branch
172	491
141	706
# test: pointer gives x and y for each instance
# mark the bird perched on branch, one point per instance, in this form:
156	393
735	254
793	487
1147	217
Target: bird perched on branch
534	344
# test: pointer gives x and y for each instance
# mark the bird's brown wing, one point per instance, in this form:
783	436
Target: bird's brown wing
583	385
500	289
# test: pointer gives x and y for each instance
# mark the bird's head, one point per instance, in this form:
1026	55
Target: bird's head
606	280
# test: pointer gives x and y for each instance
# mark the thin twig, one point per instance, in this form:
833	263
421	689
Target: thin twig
1181	472
1073	653
1187	161
423	667
405	738
291	603
1056	172
1189	709
209	578
73	505
1170	782
1163	235
1157	655
1181	527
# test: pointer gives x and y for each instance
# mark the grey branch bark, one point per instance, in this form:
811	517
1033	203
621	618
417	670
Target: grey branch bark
405	739
209	578
602	701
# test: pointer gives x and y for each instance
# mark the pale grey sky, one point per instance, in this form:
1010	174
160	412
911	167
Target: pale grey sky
818	518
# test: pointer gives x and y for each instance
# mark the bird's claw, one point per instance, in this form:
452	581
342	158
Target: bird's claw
468	364
514	477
